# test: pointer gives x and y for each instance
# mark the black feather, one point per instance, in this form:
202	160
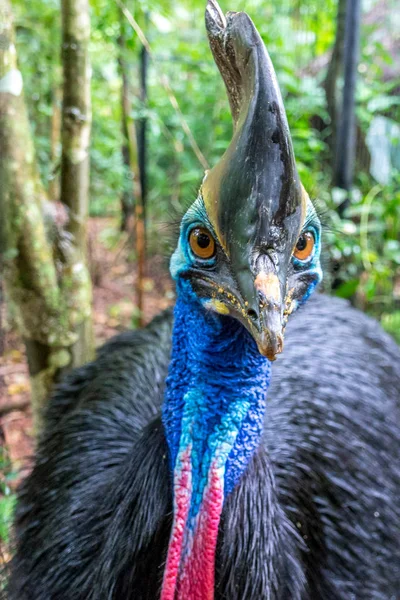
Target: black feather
316	516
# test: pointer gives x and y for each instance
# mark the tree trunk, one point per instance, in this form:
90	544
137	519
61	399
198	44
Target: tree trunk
142	139
346	137
46	279
132	143
335	70
2	332
76	116
76	123
127	200
55	135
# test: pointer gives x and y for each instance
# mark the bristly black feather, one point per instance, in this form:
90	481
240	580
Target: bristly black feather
171	227
323	213
315	517
325	217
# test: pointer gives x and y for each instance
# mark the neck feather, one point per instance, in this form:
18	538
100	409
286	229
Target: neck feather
213	417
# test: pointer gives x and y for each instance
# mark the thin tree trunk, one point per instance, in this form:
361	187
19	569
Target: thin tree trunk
140	257
346	139
2	333
51	298
55	138
140	235
142	140
76	123
142	158
127	200
335	70
76	116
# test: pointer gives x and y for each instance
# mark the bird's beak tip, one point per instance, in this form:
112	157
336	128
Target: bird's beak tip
269	344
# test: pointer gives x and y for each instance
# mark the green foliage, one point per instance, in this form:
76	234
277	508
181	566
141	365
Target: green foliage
7	497
7	503
391	322
363	249
38	35
366	246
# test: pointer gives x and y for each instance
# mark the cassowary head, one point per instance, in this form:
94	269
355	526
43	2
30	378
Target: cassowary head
250	243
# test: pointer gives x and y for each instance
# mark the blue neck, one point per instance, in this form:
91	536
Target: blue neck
213	418
215	393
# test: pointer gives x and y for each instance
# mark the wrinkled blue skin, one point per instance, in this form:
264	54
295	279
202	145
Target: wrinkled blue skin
217	384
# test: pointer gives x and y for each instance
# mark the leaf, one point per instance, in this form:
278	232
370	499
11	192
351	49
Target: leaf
18	388
7	504
347	289
16	356
382	103
391	323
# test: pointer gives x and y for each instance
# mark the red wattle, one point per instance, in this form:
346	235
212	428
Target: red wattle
190	568
182	504
197	577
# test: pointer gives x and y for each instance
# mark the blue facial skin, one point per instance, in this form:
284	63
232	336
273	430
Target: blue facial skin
183	257
216	388
312	266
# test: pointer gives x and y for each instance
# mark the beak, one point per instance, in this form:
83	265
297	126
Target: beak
269	339
265	316
257	299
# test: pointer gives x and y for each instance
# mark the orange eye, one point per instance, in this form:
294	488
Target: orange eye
202	243
304	246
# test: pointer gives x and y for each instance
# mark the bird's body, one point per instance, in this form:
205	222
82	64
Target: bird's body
314	517
176	467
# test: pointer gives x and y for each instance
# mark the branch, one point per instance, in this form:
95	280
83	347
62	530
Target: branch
11	406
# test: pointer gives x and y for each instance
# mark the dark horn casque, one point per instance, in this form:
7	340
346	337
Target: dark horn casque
253	195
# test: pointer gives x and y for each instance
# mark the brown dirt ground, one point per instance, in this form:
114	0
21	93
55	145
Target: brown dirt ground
114	279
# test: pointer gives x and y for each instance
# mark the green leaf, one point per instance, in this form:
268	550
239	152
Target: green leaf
382	103
347	289
7	504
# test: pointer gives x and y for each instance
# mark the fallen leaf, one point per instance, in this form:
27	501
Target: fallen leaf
18	388
16	356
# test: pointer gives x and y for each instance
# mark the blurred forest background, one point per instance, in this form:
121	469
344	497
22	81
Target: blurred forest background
159	115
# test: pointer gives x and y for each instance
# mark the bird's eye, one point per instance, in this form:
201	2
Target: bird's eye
202	243
305	246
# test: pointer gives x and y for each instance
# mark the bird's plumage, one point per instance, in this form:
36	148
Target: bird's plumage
315	516
244	488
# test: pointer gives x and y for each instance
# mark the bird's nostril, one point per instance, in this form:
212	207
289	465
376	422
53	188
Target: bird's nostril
252	314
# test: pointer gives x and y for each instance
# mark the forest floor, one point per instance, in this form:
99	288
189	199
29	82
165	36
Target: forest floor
114	276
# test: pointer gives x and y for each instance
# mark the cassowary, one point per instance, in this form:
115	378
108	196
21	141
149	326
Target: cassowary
182	464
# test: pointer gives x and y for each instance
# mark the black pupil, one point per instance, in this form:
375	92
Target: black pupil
302	243
203	239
